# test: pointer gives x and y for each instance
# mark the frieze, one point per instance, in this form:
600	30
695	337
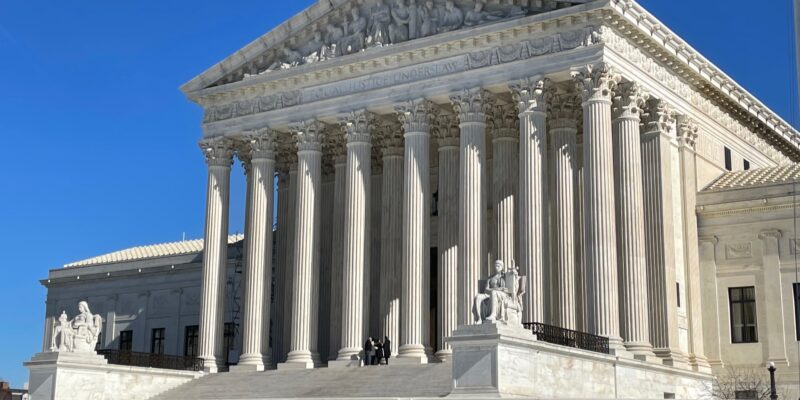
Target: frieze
498	55
737	251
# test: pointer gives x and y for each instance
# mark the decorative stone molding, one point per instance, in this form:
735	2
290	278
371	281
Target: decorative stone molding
217	151
472	105
532	94
309	135
415	115
356	126
657	116
687	132
596	82
259	144
770	233
447	130
504	122
629	100
564	110
737	251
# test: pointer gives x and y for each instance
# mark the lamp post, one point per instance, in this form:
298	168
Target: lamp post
773	393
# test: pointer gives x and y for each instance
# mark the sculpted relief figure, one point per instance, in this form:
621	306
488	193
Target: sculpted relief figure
313	50
452	17
478	15
379	22
355	30
398	31
501	300
508	9
79	335
430	15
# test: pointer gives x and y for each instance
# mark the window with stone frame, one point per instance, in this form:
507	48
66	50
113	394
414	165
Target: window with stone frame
190	340
744	327
157	341
126	340
228	339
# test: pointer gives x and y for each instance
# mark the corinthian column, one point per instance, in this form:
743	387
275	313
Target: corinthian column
355	234
337	243
596	84
447	131
392	233
505	172
659	232
531	96
302	353
259	150
627	106
416	221
564	113
219	157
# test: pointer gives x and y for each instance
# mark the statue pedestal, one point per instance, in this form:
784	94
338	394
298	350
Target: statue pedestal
491	360
46	380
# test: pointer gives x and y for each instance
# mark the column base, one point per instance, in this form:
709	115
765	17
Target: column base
673	358
211	366
700	364
351	363
247	366
445	355
302	359
411	354
642	352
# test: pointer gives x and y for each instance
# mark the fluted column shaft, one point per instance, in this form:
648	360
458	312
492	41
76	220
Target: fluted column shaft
563	131
630	219
219	157
337	254
596	84
306	249
258	268
531	96
416	242
356	234
391	245
505	179
448	241
281	267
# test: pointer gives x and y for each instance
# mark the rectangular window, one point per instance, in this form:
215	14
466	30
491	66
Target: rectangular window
157	341
746	165
126	340
190	341
678	291
728	159
228	338
743	314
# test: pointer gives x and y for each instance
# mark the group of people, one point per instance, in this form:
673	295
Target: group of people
376	353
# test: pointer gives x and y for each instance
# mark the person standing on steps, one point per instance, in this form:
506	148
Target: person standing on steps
387	349
378	352
369	351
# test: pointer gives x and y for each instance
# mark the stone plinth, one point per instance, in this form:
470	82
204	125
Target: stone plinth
501	361
64	375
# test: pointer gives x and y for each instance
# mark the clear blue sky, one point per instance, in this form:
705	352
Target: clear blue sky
100	145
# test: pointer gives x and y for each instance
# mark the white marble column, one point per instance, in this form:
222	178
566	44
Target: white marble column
635	327
505	179
337	247
326	249
565	110
302	352
531	96
580	270
259	149
219	157
414	116
281	267
392	234
596	84
687	139
710	291
355	235
659	232
447	131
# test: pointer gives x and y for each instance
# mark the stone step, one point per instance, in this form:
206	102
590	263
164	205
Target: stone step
418	381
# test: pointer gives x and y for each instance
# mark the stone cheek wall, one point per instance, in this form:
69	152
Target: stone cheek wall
115	382
566	373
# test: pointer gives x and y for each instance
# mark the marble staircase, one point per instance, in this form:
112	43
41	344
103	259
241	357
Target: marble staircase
376	382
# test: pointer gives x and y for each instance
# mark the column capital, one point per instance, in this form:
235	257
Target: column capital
356	126
713	239
218	151
595	82
259	144
415	115
687	131
390	137
504	122
309	135
532	94
446	130
770	234
472	105
629	100
657	116
564	111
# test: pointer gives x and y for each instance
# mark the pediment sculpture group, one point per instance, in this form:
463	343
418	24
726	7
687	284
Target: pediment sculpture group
386	24
501	298
78	335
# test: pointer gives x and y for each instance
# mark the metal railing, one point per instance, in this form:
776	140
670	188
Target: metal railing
135	359
568	337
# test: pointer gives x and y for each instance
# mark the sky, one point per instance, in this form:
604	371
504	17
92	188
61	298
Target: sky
101	147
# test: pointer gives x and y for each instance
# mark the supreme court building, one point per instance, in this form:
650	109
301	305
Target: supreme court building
406	145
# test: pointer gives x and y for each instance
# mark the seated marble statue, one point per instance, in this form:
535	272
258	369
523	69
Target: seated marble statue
451	18
478	16
501	300
79	335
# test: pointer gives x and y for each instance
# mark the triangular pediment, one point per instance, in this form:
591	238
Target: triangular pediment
331	29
